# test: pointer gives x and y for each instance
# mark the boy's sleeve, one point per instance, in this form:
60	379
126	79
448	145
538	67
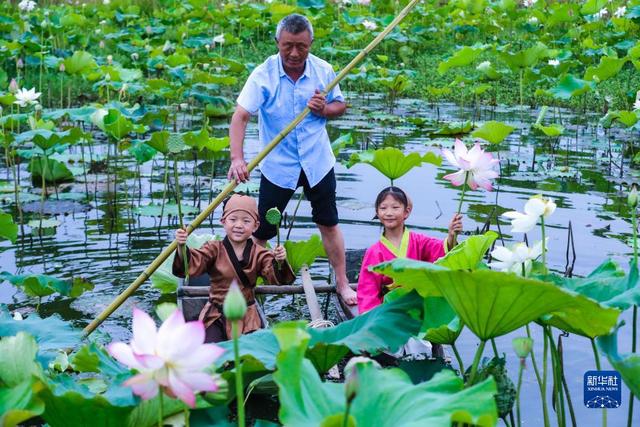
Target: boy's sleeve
199	260
269	270
369	284
252	95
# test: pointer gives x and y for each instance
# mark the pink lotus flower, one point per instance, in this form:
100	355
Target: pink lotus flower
476	164
172	357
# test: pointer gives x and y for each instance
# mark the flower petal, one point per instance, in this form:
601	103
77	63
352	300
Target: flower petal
200	358
457	178
181	390
143	386
198	381
123	353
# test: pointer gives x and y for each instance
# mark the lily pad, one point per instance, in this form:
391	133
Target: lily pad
170	209
493	132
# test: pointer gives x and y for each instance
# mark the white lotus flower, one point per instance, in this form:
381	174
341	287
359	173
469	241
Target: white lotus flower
532	20
529	3
620	12
219	39
369	25
26	97
485	65
27	5
636	105
475	164
364	2
554	62
97	118
513	260
602	13
535	208
172	358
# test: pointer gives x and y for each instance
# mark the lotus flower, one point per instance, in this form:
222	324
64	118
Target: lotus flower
219	39
364	2
26	97
172	358
476	164
514	259
369	25
27	5
554	62
636	104
620	12
535	208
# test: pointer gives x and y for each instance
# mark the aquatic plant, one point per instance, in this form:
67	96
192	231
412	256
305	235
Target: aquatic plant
234	309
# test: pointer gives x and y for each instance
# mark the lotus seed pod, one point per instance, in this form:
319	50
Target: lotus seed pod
522	346
632	199
273	216
235	306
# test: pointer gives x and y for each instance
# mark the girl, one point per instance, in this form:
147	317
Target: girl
392	209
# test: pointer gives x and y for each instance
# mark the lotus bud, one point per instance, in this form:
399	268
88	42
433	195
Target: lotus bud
632	199
107	77
101	44
98	30
19	63
62	67
13	86
351	384
134	56
205	66
235	306
109	59
44	23
207	46
38	107
522	346
17	316
167	46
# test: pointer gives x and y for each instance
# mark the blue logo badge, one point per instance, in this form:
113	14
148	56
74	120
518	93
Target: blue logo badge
602	389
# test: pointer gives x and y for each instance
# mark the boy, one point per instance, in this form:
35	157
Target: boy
235	257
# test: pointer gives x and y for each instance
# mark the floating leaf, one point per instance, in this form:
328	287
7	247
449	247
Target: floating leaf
493	132
551	130
453	128
628	365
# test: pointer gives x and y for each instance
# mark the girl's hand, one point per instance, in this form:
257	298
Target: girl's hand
280	253
181	236
455	227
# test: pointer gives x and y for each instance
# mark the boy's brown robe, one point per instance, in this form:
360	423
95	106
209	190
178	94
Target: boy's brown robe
213	258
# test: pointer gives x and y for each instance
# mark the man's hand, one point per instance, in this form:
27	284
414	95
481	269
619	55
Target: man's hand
317	103
238	171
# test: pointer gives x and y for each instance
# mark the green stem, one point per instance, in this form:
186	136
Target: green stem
476	361
186	417
345	420
160	409
545	412
557	378
495	348
184	247
239	386
460	364
164	190
634	217
464	186
544	244
599	368
518	391
545	350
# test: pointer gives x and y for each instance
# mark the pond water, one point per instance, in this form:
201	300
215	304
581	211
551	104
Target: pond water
101	241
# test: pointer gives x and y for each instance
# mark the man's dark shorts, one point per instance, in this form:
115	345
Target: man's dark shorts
322	198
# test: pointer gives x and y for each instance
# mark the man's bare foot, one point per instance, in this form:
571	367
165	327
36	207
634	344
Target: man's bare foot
348	295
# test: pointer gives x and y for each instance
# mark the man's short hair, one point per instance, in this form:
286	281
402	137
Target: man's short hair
294	24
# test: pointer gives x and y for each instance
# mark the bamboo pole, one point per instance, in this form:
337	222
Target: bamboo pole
229	188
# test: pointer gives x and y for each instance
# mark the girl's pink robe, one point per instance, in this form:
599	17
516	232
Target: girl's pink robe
371	286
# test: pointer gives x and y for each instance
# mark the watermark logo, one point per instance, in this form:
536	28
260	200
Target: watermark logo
602	389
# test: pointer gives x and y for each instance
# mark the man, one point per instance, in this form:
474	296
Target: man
278	90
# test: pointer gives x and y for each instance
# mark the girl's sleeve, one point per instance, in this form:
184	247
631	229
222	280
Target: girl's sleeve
369	284
199	260
271	272
431	249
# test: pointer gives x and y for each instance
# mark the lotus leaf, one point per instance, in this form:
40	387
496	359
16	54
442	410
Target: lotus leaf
591	7
496	368
628	365
37	285
117	125
392	162
390	399
51	333
551	130
441	324
54	171
8	229
468	254
525	58
20	403
80	62
492	303
570	86
340	143
170	209
17	359
142	152
453	128
304	252
461	58
175	143
607	68
202	141
493	132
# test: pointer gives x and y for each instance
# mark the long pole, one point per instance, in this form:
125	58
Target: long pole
252	164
